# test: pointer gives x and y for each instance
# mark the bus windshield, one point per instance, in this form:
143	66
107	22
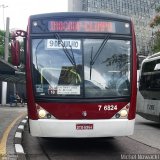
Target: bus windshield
149	80
81	67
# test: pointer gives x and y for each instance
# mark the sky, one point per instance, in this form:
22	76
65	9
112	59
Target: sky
19	10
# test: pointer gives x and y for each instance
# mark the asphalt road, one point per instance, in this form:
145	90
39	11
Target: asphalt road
145	141
147	132
10	117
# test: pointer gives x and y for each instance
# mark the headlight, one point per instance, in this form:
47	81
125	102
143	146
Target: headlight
123	113
41	113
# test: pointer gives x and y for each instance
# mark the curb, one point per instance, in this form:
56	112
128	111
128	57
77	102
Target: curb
18	140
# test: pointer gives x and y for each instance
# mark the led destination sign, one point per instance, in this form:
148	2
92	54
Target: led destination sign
81	26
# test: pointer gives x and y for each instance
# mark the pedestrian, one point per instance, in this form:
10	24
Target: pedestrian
12	99
18	99
23	98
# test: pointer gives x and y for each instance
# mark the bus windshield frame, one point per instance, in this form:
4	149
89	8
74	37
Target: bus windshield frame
84	65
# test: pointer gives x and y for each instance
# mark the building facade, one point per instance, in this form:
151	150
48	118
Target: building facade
141	12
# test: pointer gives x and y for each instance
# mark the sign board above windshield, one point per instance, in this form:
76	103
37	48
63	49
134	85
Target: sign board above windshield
80	26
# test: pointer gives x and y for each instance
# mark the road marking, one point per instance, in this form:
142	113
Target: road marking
3	141
24	121
21	127
18	135
19	148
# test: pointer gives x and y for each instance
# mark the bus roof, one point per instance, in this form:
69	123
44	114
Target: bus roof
82	14
152	57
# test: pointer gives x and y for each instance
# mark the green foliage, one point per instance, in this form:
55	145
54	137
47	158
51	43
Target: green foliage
156	22
156	47
158	9
2	45
2	33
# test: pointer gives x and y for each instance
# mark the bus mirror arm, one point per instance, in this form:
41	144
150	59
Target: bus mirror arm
18	33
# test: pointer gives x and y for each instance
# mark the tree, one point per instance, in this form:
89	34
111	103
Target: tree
2	45
155	23
156	45
2	35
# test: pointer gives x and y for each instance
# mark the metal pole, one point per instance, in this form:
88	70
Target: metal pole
6	51
4	93
3	7
4	84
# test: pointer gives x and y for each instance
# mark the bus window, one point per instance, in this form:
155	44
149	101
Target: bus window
149	80
148	99
157	67
55	68
109	75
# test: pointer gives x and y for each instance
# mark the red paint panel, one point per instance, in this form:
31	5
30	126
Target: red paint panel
132	110
32	112
76	110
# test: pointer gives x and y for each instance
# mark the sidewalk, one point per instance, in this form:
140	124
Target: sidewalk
7	116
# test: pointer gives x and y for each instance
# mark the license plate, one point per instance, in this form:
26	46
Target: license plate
84	126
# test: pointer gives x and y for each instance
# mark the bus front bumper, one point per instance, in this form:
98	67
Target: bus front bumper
69	129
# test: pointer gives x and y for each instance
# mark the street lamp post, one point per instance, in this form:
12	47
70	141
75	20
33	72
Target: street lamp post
3	7
4	84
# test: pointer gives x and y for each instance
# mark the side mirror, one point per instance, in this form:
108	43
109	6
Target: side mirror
15	53
15	47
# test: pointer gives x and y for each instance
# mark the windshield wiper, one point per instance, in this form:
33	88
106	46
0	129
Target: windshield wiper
93	59
69	56
73	56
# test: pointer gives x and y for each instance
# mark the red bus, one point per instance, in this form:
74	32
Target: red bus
80	74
